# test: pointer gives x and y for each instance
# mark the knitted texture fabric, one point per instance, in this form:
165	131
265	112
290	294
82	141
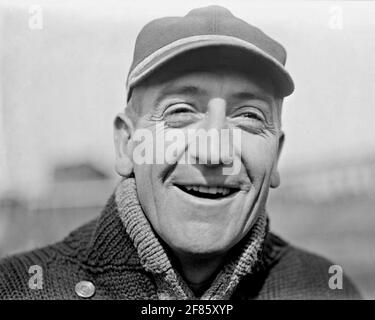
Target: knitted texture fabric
123	259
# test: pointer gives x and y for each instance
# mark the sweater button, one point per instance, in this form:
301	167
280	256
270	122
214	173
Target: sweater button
85	289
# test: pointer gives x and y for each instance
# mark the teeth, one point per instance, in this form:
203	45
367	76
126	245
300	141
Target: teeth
203	189
211	190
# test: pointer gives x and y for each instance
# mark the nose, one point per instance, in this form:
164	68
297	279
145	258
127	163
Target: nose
212	142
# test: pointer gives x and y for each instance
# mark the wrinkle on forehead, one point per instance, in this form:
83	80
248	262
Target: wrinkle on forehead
223	82
173	77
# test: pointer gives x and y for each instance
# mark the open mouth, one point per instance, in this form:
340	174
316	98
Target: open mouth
208	192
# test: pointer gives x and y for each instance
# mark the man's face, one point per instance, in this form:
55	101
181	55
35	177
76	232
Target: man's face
195	208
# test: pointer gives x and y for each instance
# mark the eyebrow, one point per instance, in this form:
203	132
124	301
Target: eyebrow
173	89
194	91
245	95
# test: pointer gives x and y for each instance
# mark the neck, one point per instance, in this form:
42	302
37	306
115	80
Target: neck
199	270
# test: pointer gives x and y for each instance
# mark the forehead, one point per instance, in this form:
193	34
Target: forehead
220	81
208	81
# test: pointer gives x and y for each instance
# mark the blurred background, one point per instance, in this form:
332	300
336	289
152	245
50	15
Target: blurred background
62	80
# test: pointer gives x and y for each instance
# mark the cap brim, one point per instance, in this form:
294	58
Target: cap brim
277	71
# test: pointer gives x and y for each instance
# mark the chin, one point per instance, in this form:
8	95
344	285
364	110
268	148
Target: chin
202	245
202	250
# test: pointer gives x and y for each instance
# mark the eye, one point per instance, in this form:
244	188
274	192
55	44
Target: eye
178	108
180	115
250	119
252	115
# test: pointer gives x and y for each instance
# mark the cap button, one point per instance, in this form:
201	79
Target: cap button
85	289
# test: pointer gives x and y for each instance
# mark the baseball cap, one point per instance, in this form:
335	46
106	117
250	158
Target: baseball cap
162	40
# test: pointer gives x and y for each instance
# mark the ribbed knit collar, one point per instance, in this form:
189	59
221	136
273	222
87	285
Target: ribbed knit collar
154	258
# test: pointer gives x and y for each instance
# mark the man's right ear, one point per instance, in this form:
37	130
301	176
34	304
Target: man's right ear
123	131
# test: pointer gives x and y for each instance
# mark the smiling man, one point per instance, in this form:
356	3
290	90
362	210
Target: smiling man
197	148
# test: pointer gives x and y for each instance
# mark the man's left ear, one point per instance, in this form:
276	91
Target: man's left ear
275	175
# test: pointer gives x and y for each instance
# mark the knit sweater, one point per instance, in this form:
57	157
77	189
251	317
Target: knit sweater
123	258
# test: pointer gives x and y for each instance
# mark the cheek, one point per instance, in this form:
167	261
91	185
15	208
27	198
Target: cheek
258	154
143	176
151	193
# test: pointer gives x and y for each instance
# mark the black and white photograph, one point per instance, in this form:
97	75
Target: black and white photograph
187	150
